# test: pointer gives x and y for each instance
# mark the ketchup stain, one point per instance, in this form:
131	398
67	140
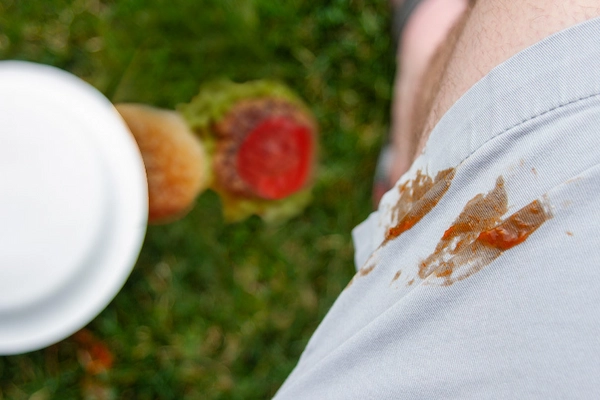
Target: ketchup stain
417	198
479	235
366	270
350	283
516	228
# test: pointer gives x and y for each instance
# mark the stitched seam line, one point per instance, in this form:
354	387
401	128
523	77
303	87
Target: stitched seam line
529	119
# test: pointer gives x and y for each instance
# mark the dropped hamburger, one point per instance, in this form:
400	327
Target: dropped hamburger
262	142
252	143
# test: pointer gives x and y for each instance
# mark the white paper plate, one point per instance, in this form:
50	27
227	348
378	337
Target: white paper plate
73	205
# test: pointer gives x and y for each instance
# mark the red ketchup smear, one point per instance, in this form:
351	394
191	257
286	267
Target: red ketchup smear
516	229
276	157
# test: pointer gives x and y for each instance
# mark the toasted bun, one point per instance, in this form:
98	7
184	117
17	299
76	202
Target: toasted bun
174	157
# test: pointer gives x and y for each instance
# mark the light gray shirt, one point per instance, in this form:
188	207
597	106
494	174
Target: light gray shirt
479	275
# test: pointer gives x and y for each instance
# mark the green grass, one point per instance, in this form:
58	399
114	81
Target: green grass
212	310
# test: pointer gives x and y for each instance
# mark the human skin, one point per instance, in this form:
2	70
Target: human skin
487	35
424	32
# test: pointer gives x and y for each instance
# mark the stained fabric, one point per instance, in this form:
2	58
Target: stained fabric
479	274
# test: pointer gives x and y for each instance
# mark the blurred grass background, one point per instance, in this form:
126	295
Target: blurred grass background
215	311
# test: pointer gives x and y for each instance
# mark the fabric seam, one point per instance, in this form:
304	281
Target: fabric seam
525	121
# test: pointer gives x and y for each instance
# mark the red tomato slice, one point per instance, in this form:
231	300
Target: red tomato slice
276	157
